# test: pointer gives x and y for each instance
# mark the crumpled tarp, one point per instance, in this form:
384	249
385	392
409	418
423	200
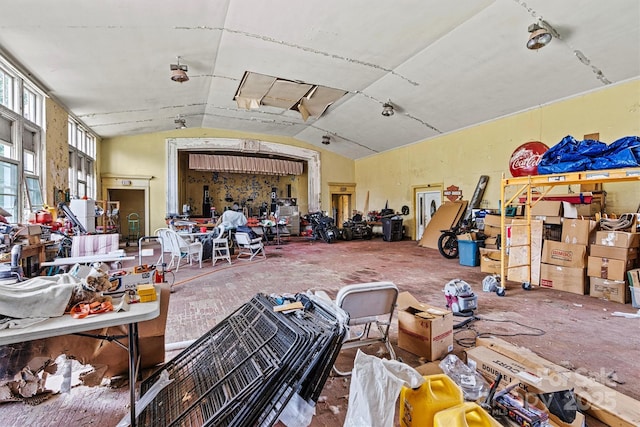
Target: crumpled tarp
39	297
571	155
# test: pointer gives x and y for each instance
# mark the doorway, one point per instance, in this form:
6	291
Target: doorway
341	208
131	201
342	195
427	203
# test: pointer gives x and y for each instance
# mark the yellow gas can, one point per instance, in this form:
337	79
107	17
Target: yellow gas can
418	406
468	414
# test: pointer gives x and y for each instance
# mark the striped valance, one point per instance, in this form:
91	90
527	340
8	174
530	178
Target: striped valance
238	164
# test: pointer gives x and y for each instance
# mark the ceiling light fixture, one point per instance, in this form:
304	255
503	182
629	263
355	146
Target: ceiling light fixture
179	72
326	139
387	109
539	37
180	123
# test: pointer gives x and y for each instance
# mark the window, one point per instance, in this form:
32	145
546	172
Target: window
33	194
32	105
21	115
82	149
6	89
9	188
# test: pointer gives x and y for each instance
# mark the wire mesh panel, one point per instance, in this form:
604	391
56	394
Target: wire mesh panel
245	369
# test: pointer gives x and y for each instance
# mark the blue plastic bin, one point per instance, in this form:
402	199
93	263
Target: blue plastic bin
469	252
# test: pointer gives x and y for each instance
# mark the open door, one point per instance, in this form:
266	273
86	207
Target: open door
427	203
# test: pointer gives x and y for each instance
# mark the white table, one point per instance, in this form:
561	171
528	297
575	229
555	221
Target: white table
66	324
89	259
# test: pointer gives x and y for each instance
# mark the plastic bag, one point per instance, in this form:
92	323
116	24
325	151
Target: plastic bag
375	387
473	385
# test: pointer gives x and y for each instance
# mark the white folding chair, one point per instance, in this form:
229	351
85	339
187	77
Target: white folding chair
368	304
220	248
249	248
179	248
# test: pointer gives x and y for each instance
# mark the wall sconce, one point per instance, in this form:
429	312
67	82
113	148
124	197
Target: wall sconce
179	72
326	139
539	37
387	109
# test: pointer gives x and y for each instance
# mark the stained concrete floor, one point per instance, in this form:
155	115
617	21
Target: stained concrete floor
579	331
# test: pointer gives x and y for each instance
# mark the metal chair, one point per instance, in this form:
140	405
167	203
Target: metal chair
179	248
133	224
249	248
220	248
368	304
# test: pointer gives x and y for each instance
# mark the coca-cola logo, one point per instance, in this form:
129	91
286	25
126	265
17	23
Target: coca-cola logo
524	160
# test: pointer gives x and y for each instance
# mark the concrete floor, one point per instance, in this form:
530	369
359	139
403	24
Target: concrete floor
579	331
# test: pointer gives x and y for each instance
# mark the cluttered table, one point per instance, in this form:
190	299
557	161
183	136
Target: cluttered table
64	325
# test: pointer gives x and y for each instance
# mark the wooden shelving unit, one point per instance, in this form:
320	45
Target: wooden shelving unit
544	184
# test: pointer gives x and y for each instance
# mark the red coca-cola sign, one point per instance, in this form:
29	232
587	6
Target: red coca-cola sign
524	160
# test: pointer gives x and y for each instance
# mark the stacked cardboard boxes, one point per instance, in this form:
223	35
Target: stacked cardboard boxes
611	256
564	263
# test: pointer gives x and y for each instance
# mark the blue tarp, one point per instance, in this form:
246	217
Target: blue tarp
570	155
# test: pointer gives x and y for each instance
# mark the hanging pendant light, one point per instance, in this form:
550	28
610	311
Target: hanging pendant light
539	37
179	72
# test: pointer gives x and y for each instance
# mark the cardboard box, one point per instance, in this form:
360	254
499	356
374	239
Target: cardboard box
613	252
127	279
494	220
467	236
578	231
564	254
424	330
568	279
490	260
29	230
589	210
591	187
492	225
532	383
620	239
612	290
608	268
543	208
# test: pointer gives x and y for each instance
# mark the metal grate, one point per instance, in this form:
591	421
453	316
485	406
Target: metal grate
245	369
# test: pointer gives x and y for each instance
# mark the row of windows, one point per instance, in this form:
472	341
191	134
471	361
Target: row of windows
22	148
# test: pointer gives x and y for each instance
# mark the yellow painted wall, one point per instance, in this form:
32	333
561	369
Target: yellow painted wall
459	158
146	155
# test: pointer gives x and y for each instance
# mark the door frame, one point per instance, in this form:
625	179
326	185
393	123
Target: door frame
423	189
342	189
129	182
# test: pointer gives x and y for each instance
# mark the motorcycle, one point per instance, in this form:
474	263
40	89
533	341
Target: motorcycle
353	229
322	227
448	241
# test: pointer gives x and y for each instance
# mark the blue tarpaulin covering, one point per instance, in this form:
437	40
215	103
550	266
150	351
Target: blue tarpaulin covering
571	155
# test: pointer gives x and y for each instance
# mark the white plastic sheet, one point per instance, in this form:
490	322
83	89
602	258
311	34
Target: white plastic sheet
375	387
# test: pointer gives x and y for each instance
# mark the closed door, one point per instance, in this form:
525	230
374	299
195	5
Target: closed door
427	203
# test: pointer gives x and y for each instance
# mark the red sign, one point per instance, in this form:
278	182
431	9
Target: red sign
524	160
453	193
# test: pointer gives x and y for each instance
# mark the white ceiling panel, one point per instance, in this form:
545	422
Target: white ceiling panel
444	65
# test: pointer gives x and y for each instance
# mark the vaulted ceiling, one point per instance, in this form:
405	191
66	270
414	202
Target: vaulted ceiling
444	65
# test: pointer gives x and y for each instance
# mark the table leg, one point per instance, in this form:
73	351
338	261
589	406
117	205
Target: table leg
133	357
